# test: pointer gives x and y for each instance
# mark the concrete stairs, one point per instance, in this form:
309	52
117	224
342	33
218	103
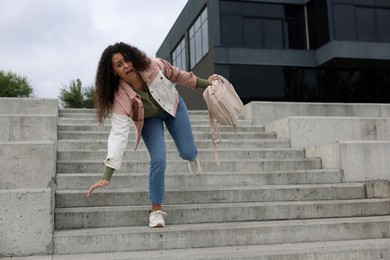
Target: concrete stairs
266	201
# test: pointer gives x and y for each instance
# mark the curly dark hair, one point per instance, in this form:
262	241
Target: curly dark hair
106	83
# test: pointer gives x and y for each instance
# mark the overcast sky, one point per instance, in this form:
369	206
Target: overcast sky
52	42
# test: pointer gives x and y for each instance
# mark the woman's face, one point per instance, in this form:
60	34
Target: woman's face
123	68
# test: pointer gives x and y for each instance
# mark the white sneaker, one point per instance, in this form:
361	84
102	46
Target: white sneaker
194	166
156	219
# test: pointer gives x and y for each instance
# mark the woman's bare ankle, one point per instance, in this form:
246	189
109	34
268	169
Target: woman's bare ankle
156	207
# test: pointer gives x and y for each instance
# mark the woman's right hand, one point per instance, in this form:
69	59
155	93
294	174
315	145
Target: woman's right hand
98	184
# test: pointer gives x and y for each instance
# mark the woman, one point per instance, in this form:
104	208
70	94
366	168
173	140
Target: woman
131	85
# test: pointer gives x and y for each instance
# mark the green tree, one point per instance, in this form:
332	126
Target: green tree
89	95
13	85
75	96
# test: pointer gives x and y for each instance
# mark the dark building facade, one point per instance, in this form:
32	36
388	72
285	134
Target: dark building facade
286	50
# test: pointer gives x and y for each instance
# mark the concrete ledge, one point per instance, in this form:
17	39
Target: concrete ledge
378	190
27	165
28	127
309	131
28	106
370	249
265	112
352	49
26	217
361	160
28	144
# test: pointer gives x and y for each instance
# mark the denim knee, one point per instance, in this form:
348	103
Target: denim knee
158	162
189	155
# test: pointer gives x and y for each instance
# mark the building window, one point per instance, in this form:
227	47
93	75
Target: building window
179	55
300	84
263	33
295	27
362	20
383	21
199	40
318	23
263	26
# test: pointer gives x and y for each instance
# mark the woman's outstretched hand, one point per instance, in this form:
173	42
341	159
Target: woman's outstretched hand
98	184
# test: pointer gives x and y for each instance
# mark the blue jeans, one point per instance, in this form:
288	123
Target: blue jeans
153	137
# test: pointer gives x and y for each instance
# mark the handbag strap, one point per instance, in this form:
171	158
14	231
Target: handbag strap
214	129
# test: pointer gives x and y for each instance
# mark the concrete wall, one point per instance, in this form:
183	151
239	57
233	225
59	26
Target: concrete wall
22	106
308	131
28	141
27	164
265	112
360	160
28	127
358	145
352	137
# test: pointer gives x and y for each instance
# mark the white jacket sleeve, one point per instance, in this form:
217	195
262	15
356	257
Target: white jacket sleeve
117	141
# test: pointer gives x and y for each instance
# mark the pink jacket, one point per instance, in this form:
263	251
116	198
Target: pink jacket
159	78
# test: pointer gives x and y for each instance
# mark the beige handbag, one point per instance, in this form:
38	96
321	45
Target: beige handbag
224	107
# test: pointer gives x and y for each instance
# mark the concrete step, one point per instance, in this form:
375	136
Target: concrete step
369	249
116	216
263	193
197	128
216	194
76	112
79	181
94	145
93	115
181	166
143	154
138	238
201	120
94	135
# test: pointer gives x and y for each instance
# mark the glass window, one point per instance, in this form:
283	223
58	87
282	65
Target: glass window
230	23
344	20
192	52
366	20
383	18
261	25
253	33
227	7
318	25
343	1
273	34
251	9
383	3
198	48
271	10
198	35
299	84
263	33
365	24
365	2
295	27
205	38
323	22
179	55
